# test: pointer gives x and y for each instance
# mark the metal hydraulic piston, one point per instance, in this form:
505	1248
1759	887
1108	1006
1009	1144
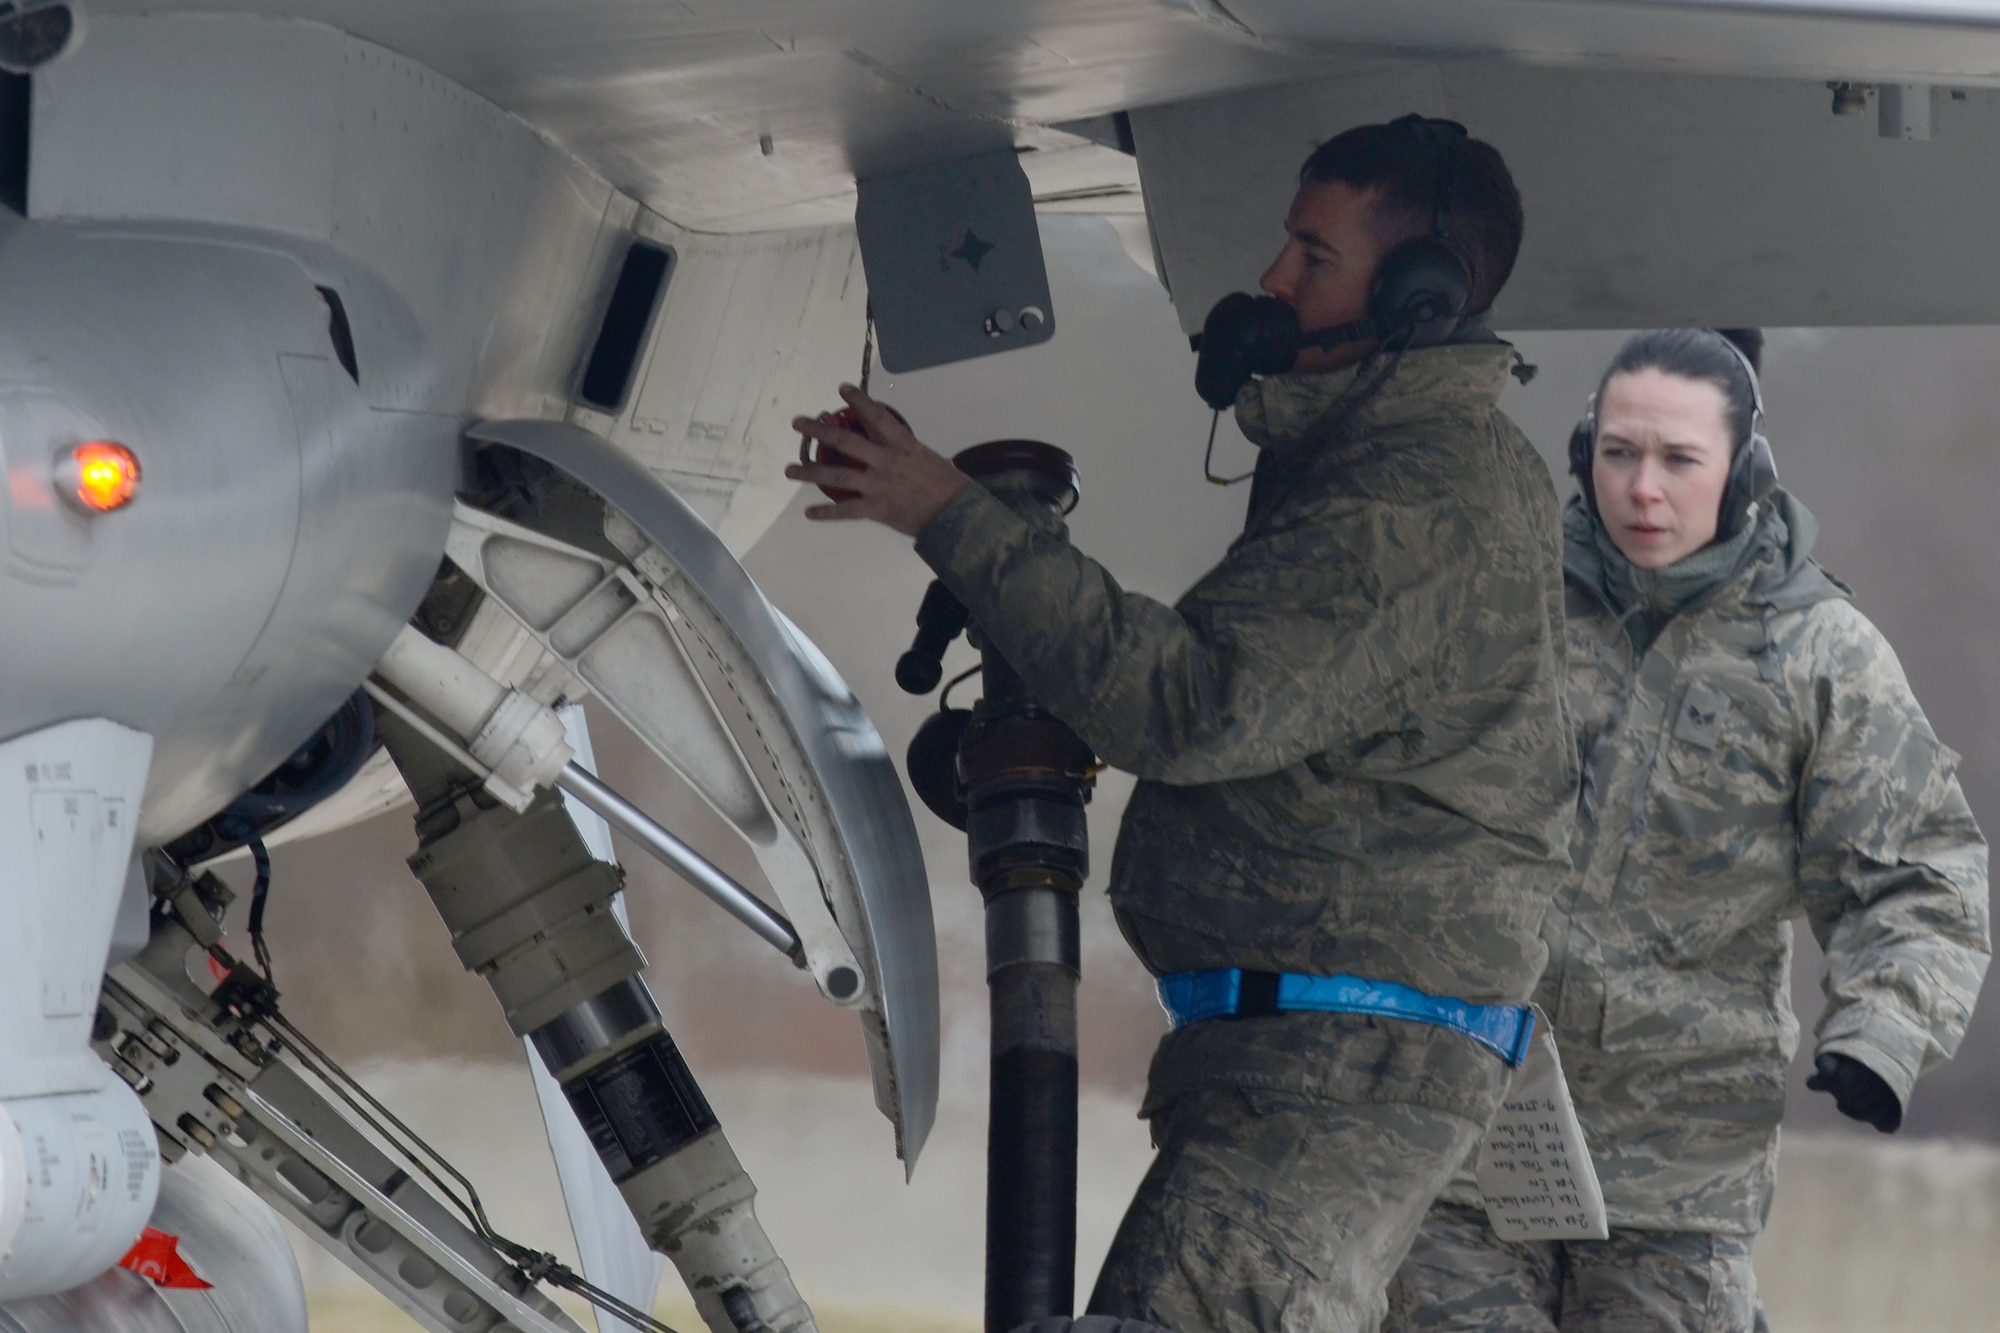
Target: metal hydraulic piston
530	910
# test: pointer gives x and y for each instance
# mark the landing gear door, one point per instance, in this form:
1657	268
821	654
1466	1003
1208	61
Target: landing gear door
846	844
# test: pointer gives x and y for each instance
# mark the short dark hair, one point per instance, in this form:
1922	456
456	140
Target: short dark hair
1408	169
1699	354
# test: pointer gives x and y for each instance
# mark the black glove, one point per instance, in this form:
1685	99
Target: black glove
1858	1091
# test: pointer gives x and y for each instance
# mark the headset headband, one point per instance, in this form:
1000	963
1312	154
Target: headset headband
1756	384
1446	139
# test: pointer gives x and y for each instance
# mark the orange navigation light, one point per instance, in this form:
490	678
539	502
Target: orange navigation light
99	475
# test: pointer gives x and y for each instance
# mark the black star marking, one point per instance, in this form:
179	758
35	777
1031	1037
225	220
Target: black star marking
972	249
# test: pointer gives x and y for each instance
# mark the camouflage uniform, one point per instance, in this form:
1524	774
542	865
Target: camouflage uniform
1353	757
1461	1276
1752	754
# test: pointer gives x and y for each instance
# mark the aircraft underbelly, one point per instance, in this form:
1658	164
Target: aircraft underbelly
282	532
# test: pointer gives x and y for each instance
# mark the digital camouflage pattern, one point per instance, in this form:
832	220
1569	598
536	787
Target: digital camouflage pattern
1354	757
1285	1205
1460	1278
1350	734
1761	758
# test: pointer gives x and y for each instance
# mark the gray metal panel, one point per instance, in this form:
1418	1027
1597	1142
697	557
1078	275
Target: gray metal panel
485	236
954	261
753	330
1651	198
851	768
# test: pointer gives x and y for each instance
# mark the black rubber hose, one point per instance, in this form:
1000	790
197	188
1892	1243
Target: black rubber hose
1031	1146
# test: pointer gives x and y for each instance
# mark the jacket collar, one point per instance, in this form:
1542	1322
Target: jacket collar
1280	413
1771	565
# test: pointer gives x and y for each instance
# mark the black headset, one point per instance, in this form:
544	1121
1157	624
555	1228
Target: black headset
1424	284
1417	297
1753	471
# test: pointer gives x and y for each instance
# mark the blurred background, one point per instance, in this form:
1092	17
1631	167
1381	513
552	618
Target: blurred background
1888	435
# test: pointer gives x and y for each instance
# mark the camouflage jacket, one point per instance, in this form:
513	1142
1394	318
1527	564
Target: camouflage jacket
1350	735
1754	757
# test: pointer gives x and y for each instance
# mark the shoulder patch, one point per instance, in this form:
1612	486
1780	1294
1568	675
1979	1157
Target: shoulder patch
1702	711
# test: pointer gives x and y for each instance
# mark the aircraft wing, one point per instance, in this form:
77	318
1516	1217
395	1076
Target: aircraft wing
736	134
675	101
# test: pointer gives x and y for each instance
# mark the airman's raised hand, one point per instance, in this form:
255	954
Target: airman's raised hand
897	479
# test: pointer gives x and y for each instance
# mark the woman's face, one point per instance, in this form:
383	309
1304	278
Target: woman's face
1662	460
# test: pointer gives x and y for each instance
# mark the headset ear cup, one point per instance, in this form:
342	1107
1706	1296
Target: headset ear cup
1763	477
1419	293
1582	448
1753	475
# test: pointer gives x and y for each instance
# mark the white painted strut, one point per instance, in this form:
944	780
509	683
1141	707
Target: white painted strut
516	740
518	745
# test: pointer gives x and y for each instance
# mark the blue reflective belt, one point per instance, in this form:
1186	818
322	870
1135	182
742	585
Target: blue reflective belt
1191	997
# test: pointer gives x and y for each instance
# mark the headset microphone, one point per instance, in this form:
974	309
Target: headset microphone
1243	336
1246	335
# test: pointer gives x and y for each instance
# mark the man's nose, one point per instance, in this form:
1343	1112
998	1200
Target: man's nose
1279	279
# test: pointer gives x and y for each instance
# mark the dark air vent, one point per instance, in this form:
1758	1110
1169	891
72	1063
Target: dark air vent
340	332
16	100
607	377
